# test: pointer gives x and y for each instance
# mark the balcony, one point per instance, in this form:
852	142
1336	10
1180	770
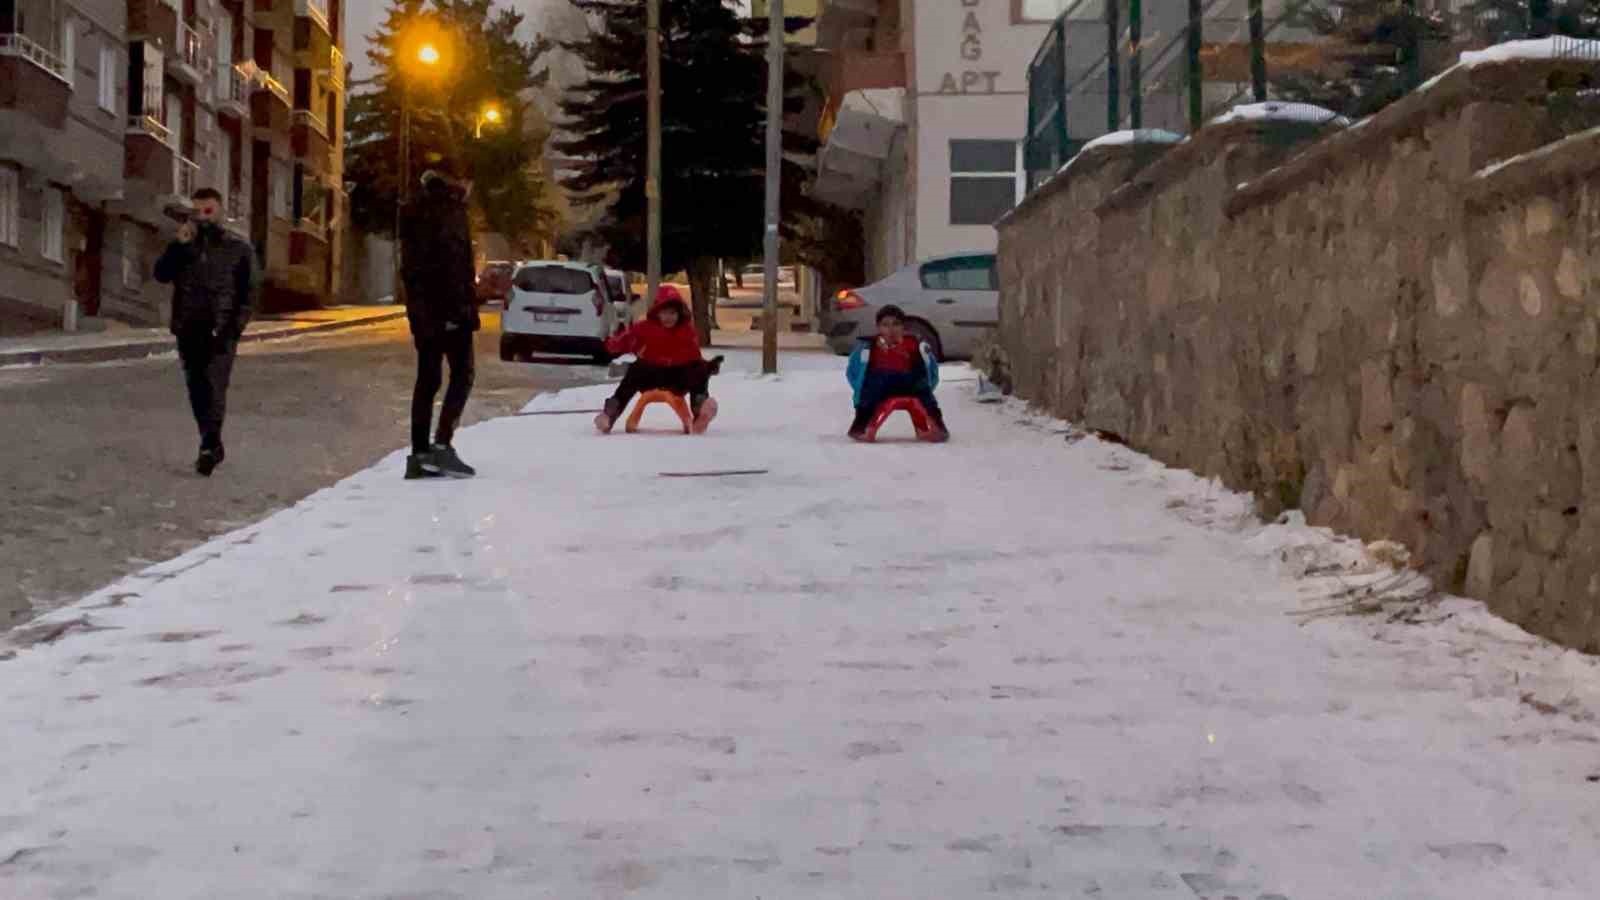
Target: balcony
185	174
309	139
154	20
315	10
147	125
189	61
233	91
147	154
33	80
335	73
275	86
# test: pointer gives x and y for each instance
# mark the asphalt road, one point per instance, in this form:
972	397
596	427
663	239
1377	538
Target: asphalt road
98	459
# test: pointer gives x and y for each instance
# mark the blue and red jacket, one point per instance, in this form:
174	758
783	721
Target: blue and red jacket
909	357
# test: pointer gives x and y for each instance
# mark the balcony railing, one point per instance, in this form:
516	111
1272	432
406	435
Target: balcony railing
309	118
190	48
336	67
236	85
316	10
271	82
21	46
150	125
184	174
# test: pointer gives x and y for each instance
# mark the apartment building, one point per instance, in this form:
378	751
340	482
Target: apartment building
113	112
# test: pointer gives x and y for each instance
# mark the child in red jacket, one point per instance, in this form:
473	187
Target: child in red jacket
668	351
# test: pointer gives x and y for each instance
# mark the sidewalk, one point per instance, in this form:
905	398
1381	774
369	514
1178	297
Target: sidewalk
1015	665
123	342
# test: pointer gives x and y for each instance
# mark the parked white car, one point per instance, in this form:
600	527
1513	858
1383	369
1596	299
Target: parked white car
950	303
621	296
559	307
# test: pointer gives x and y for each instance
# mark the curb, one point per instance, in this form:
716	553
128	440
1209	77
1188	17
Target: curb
141	349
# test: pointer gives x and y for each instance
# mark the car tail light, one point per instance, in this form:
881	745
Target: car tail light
848	300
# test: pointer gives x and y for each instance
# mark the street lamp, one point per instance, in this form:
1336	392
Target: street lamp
427	55
491	115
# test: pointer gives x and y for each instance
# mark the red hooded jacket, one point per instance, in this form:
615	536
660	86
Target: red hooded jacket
654	343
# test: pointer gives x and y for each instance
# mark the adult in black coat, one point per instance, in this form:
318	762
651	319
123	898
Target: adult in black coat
213	276
441	305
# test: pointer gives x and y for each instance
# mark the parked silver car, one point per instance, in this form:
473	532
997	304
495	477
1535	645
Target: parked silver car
950	302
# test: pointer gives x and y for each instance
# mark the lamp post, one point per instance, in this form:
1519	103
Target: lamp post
427	55
491	115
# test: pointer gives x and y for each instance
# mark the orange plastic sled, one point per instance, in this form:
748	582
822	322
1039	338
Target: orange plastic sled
678	404
911	406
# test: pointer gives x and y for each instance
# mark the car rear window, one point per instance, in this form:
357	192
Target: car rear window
553	280
963	273
618	292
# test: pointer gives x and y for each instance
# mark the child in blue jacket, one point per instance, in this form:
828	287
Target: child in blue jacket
893	364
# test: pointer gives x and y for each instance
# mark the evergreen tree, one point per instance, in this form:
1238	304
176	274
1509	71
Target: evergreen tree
1376	51
1495	21
713	157
483	63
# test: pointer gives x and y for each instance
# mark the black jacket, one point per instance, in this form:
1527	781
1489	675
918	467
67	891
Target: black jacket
436	243
213	280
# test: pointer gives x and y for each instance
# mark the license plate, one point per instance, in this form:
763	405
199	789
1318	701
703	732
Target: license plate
548	317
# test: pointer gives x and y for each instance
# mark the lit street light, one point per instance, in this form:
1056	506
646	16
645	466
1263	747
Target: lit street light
491	115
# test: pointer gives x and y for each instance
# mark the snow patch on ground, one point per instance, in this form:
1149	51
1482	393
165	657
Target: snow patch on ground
1280	111
1556	47
1029	663
1133	136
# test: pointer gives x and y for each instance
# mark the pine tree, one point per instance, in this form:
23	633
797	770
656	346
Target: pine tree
713	109
1494	21
484	64
1376	52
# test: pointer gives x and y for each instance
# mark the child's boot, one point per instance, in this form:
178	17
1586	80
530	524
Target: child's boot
608	416
704	409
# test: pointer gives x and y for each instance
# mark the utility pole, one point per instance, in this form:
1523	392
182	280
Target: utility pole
1258	52
769	287
1136	62
404	193
1113	66
1196	73
652	185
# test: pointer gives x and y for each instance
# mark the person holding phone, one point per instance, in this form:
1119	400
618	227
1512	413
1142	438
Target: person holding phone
213	277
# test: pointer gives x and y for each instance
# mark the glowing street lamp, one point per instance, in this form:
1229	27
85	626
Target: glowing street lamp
428	55
491	115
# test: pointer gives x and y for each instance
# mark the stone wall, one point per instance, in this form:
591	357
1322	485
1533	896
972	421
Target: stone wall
1378	326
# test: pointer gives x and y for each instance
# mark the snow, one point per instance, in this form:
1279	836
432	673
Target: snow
1134	136
1279	111
1534	48
1025	663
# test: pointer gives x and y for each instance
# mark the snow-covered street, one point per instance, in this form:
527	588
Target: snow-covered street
1013	665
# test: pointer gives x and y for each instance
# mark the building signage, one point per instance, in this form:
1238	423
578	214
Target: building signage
970	80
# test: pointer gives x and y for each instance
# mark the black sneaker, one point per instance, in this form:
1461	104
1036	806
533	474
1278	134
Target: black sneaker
208	460
421	465
449	464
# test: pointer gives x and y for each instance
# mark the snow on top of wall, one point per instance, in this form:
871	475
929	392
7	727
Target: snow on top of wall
1280	111
1134	136
1553	47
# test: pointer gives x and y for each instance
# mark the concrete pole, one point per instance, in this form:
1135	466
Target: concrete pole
652	185
769	288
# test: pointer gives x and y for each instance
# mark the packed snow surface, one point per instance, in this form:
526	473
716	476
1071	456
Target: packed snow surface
1026	663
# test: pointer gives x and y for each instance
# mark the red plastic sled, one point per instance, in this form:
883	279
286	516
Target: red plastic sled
920	420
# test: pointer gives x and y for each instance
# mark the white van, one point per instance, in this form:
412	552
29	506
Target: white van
559	307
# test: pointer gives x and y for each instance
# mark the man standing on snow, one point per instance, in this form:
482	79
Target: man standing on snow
213	278
441	305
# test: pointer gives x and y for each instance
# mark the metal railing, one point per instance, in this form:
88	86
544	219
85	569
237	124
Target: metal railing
23	47
271	82
185	172
147	123
310	118
316	10
336	66
1078	90
190	47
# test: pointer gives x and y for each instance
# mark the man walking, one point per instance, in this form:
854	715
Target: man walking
213	278
441	305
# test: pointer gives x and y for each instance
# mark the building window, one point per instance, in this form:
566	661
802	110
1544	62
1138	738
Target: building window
132	272
69	50
10	207
282	190
55	225
1044	12
983	181
108	77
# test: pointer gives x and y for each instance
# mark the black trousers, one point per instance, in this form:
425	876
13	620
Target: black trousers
692	380
457	347
207	367
880	386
